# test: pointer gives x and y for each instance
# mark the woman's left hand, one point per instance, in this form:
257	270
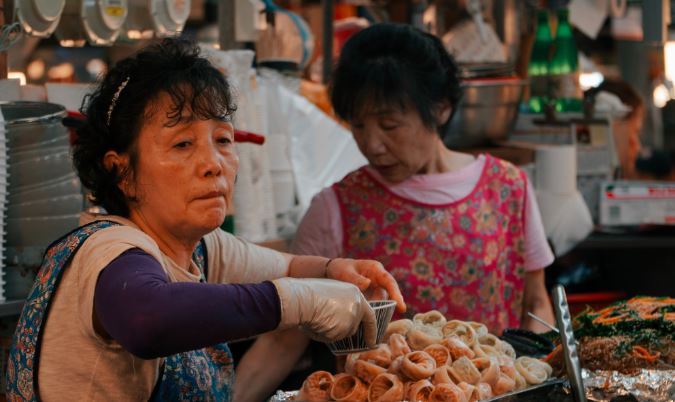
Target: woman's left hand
369	276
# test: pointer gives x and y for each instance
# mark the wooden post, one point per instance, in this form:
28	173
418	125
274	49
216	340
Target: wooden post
3	55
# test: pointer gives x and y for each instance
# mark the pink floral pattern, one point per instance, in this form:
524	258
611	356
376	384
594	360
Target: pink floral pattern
465	259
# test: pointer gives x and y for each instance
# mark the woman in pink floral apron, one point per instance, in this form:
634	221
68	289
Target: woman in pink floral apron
461	234
138	304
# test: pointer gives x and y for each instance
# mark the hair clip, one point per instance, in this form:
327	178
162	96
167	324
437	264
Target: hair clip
114	99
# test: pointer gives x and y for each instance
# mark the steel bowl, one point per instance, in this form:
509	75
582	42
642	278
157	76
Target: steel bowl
487	112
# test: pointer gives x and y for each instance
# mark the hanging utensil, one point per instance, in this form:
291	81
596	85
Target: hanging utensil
475	9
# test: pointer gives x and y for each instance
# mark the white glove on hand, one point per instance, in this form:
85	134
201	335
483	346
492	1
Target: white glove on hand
330	310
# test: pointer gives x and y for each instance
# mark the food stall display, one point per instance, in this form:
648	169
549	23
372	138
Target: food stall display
429	358
633	334
626	348
44	195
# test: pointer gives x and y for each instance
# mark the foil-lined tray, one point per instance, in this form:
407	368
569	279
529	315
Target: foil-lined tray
643	385
550	391
600	386
283	396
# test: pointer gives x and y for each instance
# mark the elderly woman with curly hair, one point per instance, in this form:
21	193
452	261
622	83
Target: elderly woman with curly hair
138	304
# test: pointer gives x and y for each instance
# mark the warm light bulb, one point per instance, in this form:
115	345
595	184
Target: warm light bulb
96	67
72	42
17	75
590	80
135	34
36	69
661	96
669	50
61	71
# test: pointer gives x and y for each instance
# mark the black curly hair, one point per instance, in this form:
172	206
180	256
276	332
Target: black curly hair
623	90
173	67
395	65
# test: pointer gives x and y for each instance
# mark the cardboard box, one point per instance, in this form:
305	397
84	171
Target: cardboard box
626	203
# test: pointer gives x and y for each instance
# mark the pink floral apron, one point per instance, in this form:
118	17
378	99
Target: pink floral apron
465	259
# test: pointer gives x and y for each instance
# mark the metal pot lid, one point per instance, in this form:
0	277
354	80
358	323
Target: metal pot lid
169	16
39	17
102	19
22	112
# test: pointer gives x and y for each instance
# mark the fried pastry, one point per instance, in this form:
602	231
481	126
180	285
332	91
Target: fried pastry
420	391
367	371
462	330
533	370
447	393
398	346
386	387
463	370
457	348
440	353
398	327
380	356
347	387
418	365
316	387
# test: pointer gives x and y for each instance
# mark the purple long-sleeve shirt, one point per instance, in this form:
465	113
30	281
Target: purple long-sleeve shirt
151	317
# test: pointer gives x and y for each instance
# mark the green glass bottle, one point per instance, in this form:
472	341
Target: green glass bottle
564	68
538	68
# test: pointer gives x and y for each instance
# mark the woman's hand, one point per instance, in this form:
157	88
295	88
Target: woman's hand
536	301
369	276
329	310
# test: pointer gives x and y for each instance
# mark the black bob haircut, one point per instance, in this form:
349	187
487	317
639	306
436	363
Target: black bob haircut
173	67
395	65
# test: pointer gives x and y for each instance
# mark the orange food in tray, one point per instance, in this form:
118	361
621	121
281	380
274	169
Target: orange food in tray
429	358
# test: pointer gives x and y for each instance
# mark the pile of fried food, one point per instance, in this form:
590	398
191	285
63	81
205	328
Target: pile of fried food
429	359
634	334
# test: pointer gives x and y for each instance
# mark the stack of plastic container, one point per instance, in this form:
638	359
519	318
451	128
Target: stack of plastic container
271	83
254	208
44	193
3	202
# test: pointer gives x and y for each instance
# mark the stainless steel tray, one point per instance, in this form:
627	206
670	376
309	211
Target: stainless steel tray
555	390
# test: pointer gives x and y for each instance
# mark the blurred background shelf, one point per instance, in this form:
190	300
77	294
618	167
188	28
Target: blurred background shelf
11	308
631	241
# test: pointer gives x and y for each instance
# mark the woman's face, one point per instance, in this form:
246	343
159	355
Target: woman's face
396	142
185	173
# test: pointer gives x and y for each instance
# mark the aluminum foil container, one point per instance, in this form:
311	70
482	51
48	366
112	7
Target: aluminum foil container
550	391
600	386
644	385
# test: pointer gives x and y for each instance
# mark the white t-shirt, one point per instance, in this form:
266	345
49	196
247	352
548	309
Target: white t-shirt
76	363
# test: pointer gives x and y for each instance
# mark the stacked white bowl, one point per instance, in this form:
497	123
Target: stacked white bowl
43	192
3	202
